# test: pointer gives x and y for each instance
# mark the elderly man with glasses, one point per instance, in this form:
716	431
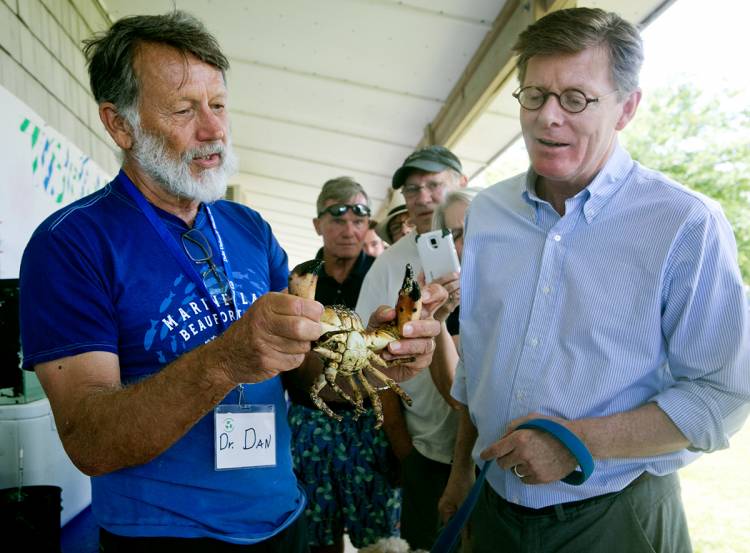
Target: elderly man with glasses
349	478
600	298
152	312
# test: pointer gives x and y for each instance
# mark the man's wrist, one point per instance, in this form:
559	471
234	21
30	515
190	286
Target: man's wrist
215	367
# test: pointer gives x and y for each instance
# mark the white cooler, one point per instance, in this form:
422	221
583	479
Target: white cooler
30	428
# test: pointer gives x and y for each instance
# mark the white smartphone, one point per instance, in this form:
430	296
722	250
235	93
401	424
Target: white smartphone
438	254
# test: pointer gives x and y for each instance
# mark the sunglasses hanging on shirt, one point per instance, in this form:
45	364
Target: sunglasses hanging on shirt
199	250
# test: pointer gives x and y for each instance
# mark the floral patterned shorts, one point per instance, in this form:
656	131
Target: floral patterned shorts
346	469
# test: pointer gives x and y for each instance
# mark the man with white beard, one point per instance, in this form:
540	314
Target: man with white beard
151	312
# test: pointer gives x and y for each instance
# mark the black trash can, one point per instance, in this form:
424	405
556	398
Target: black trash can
30	517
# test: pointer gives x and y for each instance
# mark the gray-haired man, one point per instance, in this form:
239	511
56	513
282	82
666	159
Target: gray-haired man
161	337
600	296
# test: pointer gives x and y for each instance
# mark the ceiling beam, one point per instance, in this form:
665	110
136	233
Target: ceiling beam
492	65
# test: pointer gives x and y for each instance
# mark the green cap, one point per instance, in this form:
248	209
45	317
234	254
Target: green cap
432	159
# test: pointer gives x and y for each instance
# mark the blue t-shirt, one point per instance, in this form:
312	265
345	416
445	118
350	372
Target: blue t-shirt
96	276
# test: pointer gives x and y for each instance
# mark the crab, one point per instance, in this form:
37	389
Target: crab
348	349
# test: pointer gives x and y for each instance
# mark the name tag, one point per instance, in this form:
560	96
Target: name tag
245	436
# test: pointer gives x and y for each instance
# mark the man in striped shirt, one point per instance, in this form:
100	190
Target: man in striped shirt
601	295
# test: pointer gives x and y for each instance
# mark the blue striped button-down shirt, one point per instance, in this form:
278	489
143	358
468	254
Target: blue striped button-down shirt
634	295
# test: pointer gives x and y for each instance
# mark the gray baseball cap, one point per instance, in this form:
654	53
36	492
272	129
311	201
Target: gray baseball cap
432	159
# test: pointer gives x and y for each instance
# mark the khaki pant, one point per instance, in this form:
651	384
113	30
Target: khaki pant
646	517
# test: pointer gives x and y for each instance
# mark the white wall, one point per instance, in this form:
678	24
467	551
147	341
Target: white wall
42	64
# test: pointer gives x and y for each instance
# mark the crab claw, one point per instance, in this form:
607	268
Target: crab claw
304	278
409	302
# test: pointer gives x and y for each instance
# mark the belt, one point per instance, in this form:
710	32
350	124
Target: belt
556	510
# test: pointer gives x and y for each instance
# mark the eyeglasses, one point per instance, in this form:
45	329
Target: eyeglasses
571	100
337	210
198	249
413	190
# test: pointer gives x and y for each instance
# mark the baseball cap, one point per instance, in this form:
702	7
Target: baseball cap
433	159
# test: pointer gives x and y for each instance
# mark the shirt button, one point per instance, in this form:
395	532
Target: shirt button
519	395
534	342
546	289
557	237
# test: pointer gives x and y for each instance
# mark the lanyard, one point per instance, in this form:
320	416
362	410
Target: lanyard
224	261
448	536
171	243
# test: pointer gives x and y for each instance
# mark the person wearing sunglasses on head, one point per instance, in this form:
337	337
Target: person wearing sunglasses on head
160	340
604	299
358	497
342	222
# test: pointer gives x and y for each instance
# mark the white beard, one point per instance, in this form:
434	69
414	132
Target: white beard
158	161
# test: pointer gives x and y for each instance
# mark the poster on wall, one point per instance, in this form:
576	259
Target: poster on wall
42	172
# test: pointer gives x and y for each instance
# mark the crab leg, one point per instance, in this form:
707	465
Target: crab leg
330	376
357	395
374	399
390	383
320	383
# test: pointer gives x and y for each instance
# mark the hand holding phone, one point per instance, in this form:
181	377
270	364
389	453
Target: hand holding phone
438	254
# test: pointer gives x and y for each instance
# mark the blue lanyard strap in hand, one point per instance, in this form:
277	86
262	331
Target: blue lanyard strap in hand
449	535
569	440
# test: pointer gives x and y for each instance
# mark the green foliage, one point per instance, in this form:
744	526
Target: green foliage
701	140
715	489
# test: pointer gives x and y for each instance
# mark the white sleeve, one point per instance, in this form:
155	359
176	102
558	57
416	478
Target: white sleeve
374	291
458	389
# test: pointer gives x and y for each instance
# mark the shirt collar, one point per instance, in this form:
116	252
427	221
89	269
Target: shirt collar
363	264
607	182
599	191
360	267
169	218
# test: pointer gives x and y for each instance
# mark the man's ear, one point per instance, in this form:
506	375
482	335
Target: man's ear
463	182
117	127
629	107
316	224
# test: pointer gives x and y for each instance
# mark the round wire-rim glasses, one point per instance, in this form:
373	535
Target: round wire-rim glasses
571	100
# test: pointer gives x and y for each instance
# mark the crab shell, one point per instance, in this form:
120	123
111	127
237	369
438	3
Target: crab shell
348	349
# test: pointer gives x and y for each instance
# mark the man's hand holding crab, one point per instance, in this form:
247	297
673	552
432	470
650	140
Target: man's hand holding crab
418	342
273	336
